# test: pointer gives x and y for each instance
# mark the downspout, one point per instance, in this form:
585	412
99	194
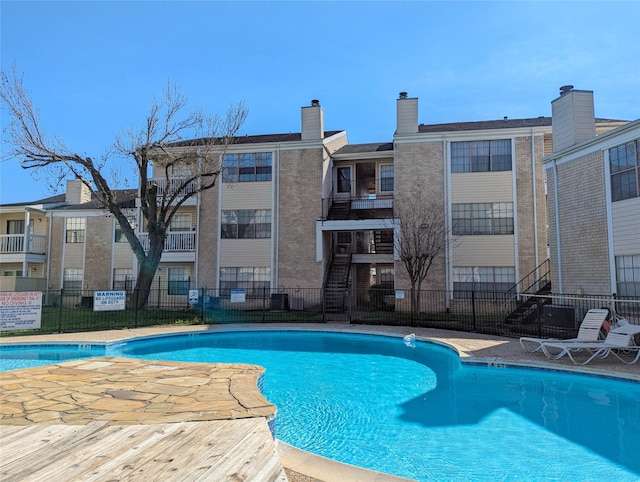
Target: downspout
27	243
535	203
613	276
448	255
516	218
197	240
49	242
197	244
275	219
557	227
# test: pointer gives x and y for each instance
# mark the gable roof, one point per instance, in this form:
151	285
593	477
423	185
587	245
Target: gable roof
253	139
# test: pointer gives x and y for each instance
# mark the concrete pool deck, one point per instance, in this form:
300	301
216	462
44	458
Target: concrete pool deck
133	392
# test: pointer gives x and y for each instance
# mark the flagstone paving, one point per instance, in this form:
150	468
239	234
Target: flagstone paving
131	391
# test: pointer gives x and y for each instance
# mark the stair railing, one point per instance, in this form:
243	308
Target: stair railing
529	285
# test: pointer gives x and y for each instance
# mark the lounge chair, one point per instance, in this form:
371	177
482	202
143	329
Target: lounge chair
619	343
590	330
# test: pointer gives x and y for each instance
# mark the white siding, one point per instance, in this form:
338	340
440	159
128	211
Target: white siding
122	256
484	251
481	187
626	226
245	252
246	195
407	116
74	255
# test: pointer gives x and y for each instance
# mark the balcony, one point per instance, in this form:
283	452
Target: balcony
175	242
21	244
372	206
167	187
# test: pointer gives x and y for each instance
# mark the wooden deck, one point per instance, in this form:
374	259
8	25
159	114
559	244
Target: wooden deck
109	419
212	451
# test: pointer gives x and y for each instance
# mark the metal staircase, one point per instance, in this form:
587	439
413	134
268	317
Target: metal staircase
525	300
337	283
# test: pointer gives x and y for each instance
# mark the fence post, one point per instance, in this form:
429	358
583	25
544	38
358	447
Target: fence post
473	309
202	292
135	305
60	311
264	303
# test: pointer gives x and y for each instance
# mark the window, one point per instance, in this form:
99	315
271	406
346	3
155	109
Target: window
482	218
180	222
386	177
625	171
486	281
254	280
628	275
344	179
179	281
481	156
123	279
15	226
72	280
246	224
246	167
119	236
75	230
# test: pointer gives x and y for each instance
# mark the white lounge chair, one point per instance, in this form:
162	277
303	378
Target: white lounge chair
589	331
619	343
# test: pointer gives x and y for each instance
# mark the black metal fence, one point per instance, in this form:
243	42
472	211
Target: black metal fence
480	312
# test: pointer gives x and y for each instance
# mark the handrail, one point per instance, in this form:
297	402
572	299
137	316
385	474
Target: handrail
514	293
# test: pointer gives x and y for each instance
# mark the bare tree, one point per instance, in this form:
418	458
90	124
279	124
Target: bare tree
172	139
421	235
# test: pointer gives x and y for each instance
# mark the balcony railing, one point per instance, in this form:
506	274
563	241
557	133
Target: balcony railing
174	242
372	206
15	243
170	186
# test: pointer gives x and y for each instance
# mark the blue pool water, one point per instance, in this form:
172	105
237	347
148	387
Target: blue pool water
417	412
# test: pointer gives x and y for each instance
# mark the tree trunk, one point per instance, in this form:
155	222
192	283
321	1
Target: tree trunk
146	272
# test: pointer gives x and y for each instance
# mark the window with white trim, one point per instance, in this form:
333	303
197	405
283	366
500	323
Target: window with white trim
628	275
123	279
75	228
481	156
181	222
246	224
247	167
488	282
482	218
255	280
72	280
624	162
179	281
119	236
386	178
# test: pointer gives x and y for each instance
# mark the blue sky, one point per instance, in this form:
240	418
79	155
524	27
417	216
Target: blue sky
93	67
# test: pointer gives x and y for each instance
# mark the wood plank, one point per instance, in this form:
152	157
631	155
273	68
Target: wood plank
211	450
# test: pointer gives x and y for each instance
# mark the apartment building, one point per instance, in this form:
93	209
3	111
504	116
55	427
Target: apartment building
310	210
594	201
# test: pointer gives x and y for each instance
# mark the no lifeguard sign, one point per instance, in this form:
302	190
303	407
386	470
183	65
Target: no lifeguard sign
109	300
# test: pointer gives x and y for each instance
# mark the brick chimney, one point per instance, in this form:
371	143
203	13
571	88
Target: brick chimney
572	117
406	114
313	122
77	192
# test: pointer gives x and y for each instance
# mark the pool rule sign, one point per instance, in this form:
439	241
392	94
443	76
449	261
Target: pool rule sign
20	310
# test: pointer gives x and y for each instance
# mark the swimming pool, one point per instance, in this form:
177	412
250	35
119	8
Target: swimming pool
374	402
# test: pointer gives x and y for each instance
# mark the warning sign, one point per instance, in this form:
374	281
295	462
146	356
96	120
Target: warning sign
20	310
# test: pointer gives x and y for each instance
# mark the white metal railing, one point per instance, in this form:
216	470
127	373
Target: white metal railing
15	243
169	186
175	241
